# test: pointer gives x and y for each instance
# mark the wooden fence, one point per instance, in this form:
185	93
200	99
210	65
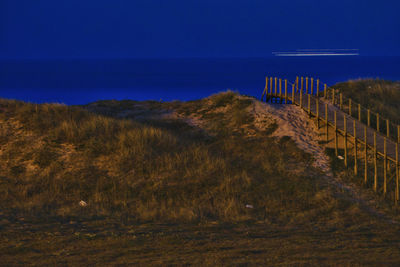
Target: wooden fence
359	128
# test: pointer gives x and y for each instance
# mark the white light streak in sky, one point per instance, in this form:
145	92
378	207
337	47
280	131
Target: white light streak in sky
318	52
314	54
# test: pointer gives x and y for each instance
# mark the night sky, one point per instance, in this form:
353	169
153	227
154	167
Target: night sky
50	29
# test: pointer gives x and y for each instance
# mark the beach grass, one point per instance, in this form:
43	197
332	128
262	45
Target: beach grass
150	169
176	183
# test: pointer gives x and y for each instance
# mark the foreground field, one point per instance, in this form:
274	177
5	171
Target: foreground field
104	242
212	181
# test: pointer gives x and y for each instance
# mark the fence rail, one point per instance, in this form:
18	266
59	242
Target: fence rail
359	127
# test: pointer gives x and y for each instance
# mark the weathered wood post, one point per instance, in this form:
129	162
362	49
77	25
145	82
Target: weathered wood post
350	113
377	122
398	133
375	165
327	122
333	96
317	87
359	112
280	90
276	87
293	88
397	173
325	95
271	89
312	86
387	128
297	83
317	109
306	85
368	117
336	134
384	166
265	91
345	140
340	101
301	98
302	82
355	148
365	155
286	99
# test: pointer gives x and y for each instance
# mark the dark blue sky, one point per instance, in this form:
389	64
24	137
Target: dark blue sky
194	28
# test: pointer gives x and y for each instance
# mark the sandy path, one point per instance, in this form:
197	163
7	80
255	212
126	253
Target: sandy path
294	122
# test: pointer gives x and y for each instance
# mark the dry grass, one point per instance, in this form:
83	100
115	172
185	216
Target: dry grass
150	170
167	183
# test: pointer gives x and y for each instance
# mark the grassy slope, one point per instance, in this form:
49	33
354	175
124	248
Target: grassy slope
154	183
149	169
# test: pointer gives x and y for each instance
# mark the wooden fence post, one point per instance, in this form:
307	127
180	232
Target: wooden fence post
355	148
345	140
276	87
271	88
350	113
317	107
325	95
286	99
297	83
365	155
301	98
265	91
359	112
309	104
336	134
293	88
317	87
302	81
280	90
377	122
387	128
312	86
333	96
327	122
397	172
398	133
375	165
384	166
306	85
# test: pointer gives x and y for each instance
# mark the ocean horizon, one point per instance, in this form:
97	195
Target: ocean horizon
76	82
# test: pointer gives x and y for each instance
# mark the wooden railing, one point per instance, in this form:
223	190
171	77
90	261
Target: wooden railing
347	119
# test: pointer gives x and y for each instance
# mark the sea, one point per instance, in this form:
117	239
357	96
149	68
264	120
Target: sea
76	82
